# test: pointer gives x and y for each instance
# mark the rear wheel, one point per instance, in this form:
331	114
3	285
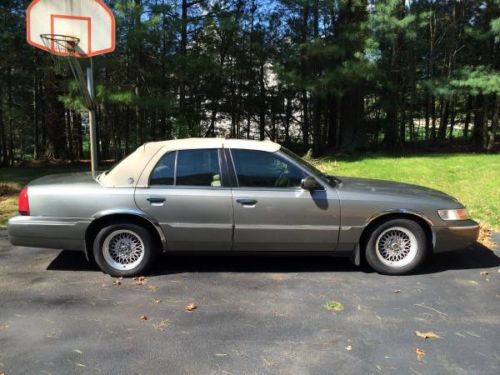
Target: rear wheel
396	247
124	250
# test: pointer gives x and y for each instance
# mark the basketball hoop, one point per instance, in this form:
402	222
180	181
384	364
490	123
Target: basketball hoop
71	31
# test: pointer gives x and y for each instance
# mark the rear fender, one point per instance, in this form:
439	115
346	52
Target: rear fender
117	213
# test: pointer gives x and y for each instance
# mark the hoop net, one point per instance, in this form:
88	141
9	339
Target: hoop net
61	48
64	52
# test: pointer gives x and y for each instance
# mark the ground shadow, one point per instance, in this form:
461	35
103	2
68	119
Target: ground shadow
476	256
68	260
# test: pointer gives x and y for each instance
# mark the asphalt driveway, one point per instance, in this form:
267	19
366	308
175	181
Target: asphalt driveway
254	315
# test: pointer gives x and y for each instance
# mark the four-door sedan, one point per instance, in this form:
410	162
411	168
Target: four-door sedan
218	195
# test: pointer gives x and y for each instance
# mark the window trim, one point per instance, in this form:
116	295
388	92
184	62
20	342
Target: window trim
224	184
279	155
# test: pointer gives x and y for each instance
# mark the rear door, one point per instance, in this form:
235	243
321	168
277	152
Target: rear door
273	213
188	197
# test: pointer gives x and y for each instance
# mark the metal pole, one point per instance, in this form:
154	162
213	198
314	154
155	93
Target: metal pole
92	121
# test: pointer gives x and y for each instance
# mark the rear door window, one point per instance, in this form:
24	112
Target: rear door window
198	168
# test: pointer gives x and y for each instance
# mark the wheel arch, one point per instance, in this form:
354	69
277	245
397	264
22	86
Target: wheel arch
373	222
126	216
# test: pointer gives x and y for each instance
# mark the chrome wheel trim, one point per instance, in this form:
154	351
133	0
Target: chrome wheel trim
396	247
123	249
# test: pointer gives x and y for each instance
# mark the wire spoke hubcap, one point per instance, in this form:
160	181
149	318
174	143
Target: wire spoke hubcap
123	249
396	247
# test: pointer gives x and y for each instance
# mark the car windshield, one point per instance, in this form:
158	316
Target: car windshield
330	179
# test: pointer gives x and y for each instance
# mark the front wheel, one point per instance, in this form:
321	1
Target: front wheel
124	250
396	247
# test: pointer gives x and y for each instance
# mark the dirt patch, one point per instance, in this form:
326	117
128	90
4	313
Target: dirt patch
485	235
8	190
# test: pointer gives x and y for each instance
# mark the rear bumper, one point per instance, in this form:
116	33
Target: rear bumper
51	233
458	235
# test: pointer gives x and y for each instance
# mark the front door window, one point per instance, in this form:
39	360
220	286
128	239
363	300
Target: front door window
260	169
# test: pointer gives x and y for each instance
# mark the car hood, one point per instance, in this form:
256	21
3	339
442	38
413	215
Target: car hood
364	185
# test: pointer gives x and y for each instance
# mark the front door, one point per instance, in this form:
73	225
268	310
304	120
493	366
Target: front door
187	197
273	213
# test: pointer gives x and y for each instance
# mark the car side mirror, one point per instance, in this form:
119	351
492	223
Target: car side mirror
310	183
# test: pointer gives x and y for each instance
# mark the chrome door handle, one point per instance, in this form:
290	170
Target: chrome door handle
247	201
156	200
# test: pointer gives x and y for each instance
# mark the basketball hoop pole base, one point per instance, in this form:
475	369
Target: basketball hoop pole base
92	122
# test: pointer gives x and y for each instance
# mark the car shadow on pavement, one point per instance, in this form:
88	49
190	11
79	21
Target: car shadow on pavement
69	260
476	256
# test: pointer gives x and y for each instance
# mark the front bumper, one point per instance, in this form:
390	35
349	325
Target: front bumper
456	236
48	232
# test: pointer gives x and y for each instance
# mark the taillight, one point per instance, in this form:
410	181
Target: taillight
24	204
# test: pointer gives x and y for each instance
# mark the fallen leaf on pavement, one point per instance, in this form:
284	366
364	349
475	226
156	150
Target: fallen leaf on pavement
190	307
268	363
163	325
141	280
420	353
427	335
143	317
334	306
484	273
152	288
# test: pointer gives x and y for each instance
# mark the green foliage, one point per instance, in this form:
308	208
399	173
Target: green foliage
477	80
337	75
495	29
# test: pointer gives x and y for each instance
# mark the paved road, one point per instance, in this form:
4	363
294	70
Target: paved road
255	315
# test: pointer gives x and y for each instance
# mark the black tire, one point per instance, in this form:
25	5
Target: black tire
104	258
408	263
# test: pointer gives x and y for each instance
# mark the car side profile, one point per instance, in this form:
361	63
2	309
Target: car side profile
235	196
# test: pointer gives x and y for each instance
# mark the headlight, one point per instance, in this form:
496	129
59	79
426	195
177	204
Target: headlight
456	214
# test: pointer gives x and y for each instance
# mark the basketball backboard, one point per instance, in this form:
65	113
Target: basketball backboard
89	24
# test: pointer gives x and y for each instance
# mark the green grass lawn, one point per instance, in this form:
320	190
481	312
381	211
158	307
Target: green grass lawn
473	178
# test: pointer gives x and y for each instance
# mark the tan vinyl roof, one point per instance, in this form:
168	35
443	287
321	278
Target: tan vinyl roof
135	168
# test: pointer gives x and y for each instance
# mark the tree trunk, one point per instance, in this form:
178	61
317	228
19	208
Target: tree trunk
467	117
305	100
494	124
351	115
332	123
477	131
3	139
36	151
452	120
443	123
